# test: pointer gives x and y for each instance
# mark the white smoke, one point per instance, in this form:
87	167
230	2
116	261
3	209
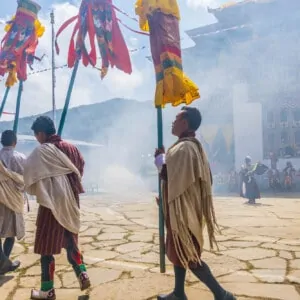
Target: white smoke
206	3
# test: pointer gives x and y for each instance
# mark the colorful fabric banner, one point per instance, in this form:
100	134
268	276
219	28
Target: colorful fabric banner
20	41
161	19
97	18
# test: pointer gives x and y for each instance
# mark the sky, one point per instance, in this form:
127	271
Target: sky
89	88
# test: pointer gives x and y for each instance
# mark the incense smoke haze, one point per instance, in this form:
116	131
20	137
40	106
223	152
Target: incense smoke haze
253	69
205	3
225	71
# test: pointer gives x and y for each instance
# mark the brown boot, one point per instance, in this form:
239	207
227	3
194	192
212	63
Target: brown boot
84	281
171	297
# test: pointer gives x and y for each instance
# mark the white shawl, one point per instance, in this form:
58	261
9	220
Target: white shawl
45	176
11	188
189	197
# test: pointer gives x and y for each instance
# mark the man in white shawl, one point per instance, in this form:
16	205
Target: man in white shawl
188	205
53	174
11	199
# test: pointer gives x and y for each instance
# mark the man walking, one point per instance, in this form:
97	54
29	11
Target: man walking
188	205
11	199
53	174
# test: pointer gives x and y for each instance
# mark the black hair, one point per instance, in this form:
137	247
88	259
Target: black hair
8	138
193	117
43	124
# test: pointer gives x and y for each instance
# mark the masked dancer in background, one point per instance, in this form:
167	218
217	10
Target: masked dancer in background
53	174
11	199
249	187
188	205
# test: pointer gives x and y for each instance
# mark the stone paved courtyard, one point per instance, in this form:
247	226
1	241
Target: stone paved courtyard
259	255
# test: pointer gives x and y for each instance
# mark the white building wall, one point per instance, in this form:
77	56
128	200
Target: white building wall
248	132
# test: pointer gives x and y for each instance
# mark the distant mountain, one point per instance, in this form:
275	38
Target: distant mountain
127	130
96	122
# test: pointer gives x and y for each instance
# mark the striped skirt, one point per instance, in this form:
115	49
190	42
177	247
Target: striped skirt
50	235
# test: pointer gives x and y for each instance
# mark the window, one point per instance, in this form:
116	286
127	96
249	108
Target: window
283	115
296	114
271	141
297	137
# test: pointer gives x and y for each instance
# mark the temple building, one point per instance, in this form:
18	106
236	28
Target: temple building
247	65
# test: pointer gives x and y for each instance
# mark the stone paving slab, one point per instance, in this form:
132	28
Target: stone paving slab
259	255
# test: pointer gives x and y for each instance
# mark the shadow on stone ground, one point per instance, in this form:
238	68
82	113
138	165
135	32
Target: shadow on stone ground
257	204
5	279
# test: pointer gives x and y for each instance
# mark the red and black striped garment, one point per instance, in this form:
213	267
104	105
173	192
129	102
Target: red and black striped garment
51	237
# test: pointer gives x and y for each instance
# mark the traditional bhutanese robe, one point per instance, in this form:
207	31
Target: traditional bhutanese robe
161	19
11	223
50	235
187	202
249	187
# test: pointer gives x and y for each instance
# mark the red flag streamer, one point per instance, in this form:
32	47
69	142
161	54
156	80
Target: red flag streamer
61	29
8	113
97	19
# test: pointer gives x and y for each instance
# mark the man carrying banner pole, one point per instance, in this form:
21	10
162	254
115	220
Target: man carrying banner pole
188	205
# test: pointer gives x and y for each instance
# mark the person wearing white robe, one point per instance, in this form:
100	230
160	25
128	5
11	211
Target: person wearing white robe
11	200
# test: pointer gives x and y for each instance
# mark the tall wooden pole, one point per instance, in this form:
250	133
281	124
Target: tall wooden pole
53	68
162	251
68	98
16	122
4	100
